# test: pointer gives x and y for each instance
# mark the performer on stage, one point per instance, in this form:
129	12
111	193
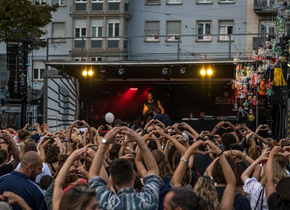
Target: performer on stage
149	105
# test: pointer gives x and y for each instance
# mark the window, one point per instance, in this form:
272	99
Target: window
152	1
113	32
58	30
204	1
173	30
152	30
174	1
204	30
97	5
80	5
113	29
227	1
267	28
114	0
39	2
59	2
80	32
38	73
97	31
226	27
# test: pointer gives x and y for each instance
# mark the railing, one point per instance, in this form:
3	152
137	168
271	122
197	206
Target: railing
264	4
158	47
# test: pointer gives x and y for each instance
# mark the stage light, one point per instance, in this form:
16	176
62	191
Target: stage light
90	72
133	88
202	72
121	70
288	64
165	70
182	70
209	72
85	73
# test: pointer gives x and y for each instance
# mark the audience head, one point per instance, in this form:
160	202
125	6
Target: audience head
23	134
3	156
217	172
183	198
162	162
227	139
52	155
45	181
79	198
31	165
279	173
205	189
122	173
282	188
114	152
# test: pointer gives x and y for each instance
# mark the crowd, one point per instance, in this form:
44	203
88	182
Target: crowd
154	167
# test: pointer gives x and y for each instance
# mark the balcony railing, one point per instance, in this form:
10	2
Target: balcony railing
264	7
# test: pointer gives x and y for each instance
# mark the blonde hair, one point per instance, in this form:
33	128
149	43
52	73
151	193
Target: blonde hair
205	189
279	173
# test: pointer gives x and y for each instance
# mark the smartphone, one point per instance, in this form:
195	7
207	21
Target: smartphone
95	147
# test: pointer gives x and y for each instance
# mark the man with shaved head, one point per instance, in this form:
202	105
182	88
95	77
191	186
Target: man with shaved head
22	182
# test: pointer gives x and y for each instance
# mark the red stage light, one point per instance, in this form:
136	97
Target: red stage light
133	88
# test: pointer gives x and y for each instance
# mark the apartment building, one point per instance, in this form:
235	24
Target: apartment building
120	31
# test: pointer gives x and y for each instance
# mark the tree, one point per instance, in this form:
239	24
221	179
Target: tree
19	19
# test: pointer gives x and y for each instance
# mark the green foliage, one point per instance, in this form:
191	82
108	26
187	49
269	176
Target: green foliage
19	19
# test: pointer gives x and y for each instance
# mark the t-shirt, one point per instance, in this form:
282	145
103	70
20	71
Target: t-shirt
202	162
256	193
6	169
240	202
45	171
82	181
19	184
276	203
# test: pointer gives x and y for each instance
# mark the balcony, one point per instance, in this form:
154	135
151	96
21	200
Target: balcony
264	7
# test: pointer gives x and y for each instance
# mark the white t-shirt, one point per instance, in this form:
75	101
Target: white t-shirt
254	188
45	171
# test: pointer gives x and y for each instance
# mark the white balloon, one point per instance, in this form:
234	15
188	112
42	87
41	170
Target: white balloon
109	117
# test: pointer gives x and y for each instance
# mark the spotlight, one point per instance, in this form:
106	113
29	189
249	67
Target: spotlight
85	73
182	70
202	72
209	72
288	64
90	72
121	70
165	70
